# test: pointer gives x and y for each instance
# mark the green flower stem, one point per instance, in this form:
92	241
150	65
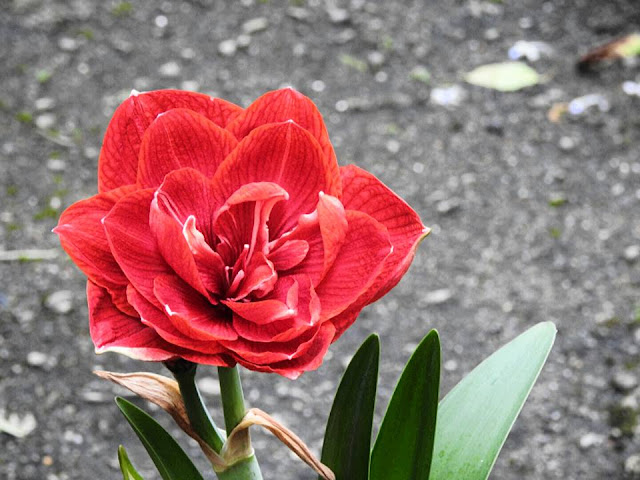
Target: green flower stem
247	469
232	397
234	411
201	421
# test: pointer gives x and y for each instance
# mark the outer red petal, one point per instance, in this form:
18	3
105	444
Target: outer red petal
285	154
308	358
118	163
181	138
132	243
157	320
364	192
191	313
113	331
280	106
83	238
357	265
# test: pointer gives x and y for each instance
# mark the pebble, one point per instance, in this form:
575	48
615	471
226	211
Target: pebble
531	51
16	426
209	386
44	103
243	41
60	301
448	206
450	365
624	381
37	359
632	253
451	96
255	25
73	437
376	59
68	44
227	48
299	13
566	144
56	164
437	297
170	69
45	121
191	85
591	439
338	15
632	466
91	396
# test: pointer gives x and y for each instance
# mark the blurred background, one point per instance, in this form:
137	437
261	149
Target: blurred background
533	196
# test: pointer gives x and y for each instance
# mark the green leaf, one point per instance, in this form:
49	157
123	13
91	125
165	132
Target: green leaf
504	77
404	445
347	440
475	418
128	471
168	456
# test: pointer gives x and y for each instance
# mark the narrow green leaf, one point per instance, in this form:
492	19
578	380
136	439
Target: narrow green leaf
504	77
475	418
347	439
128	471
404	445
168	456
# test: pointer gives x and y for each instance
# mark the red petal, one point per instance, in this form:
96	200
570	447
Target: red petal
357	265
174	246
250	206
82	236
285	154
191	313
280	106
181	138
364	192
324	231
308	358
293	308
113	331
259	278
269	352
288	254
118	163
132	243
158	321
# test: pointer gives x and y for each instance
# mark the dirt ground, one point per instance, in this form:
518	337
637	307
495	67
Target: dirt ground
532	219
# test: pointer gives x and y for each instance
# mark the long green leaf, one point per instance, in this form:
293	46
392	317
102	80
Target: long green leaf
128	471
475	418
168	456
347	439
404	445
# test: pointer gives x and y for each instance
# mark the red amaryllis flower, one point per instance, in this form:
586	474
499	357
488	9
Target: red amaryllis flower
223	235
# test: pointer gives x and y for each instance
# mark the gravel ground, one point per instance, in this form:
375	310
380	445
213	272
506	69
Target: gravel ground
532	220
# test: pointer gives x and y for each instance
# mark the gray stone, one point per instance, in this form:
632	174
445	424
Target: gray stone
632	253
60	302
255	25
437	297
228	47
68	44
591	439
624	381
170	69
45	121
632	465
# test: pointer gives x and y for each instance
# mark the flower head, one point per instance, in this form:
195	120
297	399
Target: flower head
222	235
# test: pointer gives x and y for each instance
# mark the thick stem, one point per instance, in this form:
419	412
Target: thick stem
247	469
232	397
234	411
185	374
